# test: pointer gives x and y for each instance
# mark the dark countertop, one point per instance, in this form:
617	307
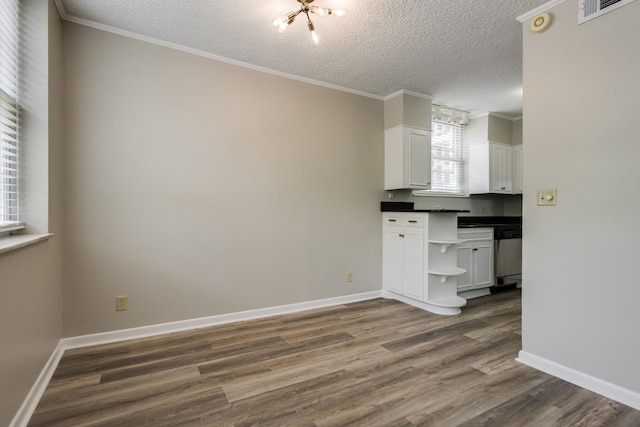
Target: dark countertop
408	207
488	221
463	221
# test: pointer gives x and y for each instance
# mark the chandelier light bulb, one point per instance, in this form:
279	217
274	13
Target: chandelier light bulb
338	12
314	35
283	22
282	26
321	11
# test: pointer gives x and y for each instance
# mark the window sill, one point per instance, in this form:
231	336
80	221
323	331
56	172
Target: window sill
12	243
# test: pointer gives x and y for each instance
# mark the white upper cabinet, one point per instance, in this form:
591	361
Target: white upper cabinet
517	169
490	168
407	158
500	164
495	165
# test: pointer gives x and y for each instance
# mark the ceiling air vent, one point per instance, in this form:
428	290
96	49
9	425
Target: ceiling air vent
589	9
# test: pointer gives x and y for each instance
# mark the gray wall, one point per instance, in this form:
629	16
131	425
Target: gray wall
580	289
31	278
199	188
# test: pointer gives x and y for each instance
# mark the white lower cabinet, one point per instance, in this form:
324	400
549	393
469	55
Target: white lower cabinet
403	254
419	260
475	255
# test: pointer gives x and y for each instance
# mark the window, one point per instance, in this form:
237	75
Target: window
448	172
449	176
447	158
9	115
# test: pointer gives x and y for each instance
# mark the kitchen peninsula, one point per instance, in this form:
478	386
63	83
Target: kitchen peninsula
419	261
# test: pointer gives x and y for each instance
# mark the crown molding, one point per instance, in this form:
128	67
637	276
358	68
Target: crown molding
498	115
526	16
407	92
107	28
501	116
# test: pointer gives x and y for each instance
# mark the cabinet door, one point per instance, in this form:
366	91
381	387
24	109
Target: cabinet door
483	264
407	159
479	169
413	265
517	169
465	251
419	158
392	257
501	169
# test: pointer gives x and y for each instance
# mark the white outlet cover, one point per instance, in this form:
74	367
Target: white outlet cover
547	197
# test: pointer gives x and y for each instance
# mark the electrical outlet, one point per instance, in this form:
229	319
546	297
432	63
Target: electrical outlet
349	277
122	302
547	197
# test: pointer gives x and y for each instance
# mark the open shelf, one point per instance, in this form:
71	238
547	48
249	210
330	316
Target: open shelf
448	306
445	244
453	302
447	272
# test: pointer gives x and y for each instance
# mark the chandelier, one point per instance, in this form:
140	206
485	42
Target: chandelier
283	22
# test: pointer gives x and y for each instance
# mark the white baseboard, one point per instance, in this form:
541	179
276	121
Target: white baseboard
475	293
30	403
604	388
445	311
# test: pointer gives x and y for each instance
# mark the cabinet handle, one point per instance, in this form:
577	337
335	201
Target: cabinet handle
392	220
413	221
474	249
401	235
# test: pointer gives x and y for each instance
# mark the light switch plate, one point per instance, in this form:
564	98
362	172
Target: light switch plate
547	197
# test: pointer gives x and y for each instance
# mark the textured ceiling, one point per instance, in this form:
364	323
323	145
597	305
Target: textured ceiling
464	53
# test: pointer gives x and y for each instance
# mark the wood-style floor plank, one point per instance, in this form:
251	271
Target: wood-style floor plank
371	363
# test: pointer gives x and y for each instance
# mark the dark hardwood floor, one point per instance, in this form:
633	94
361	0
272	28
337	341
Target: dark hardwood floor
373	363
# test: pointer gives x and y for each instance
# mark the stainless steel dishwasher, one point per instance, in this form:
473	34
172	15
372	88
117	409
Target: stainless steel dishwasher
507	254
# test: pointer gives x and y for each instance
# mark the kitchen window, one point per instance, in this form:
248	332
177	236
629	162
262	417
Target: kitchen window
448	165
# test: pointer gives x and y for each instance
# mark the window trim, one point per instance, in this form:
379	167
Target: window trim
19	241
10	112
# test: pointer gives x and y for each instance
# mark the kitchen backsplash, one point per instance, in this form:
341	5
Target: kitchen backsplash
479	205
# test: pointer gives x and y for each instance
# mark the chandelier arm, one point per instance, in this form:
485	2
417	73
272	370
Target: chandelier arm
309	22
291	16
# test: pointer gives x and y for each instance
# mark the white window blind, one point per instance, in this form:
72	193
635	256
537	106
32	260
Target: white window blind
9	113
447	159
